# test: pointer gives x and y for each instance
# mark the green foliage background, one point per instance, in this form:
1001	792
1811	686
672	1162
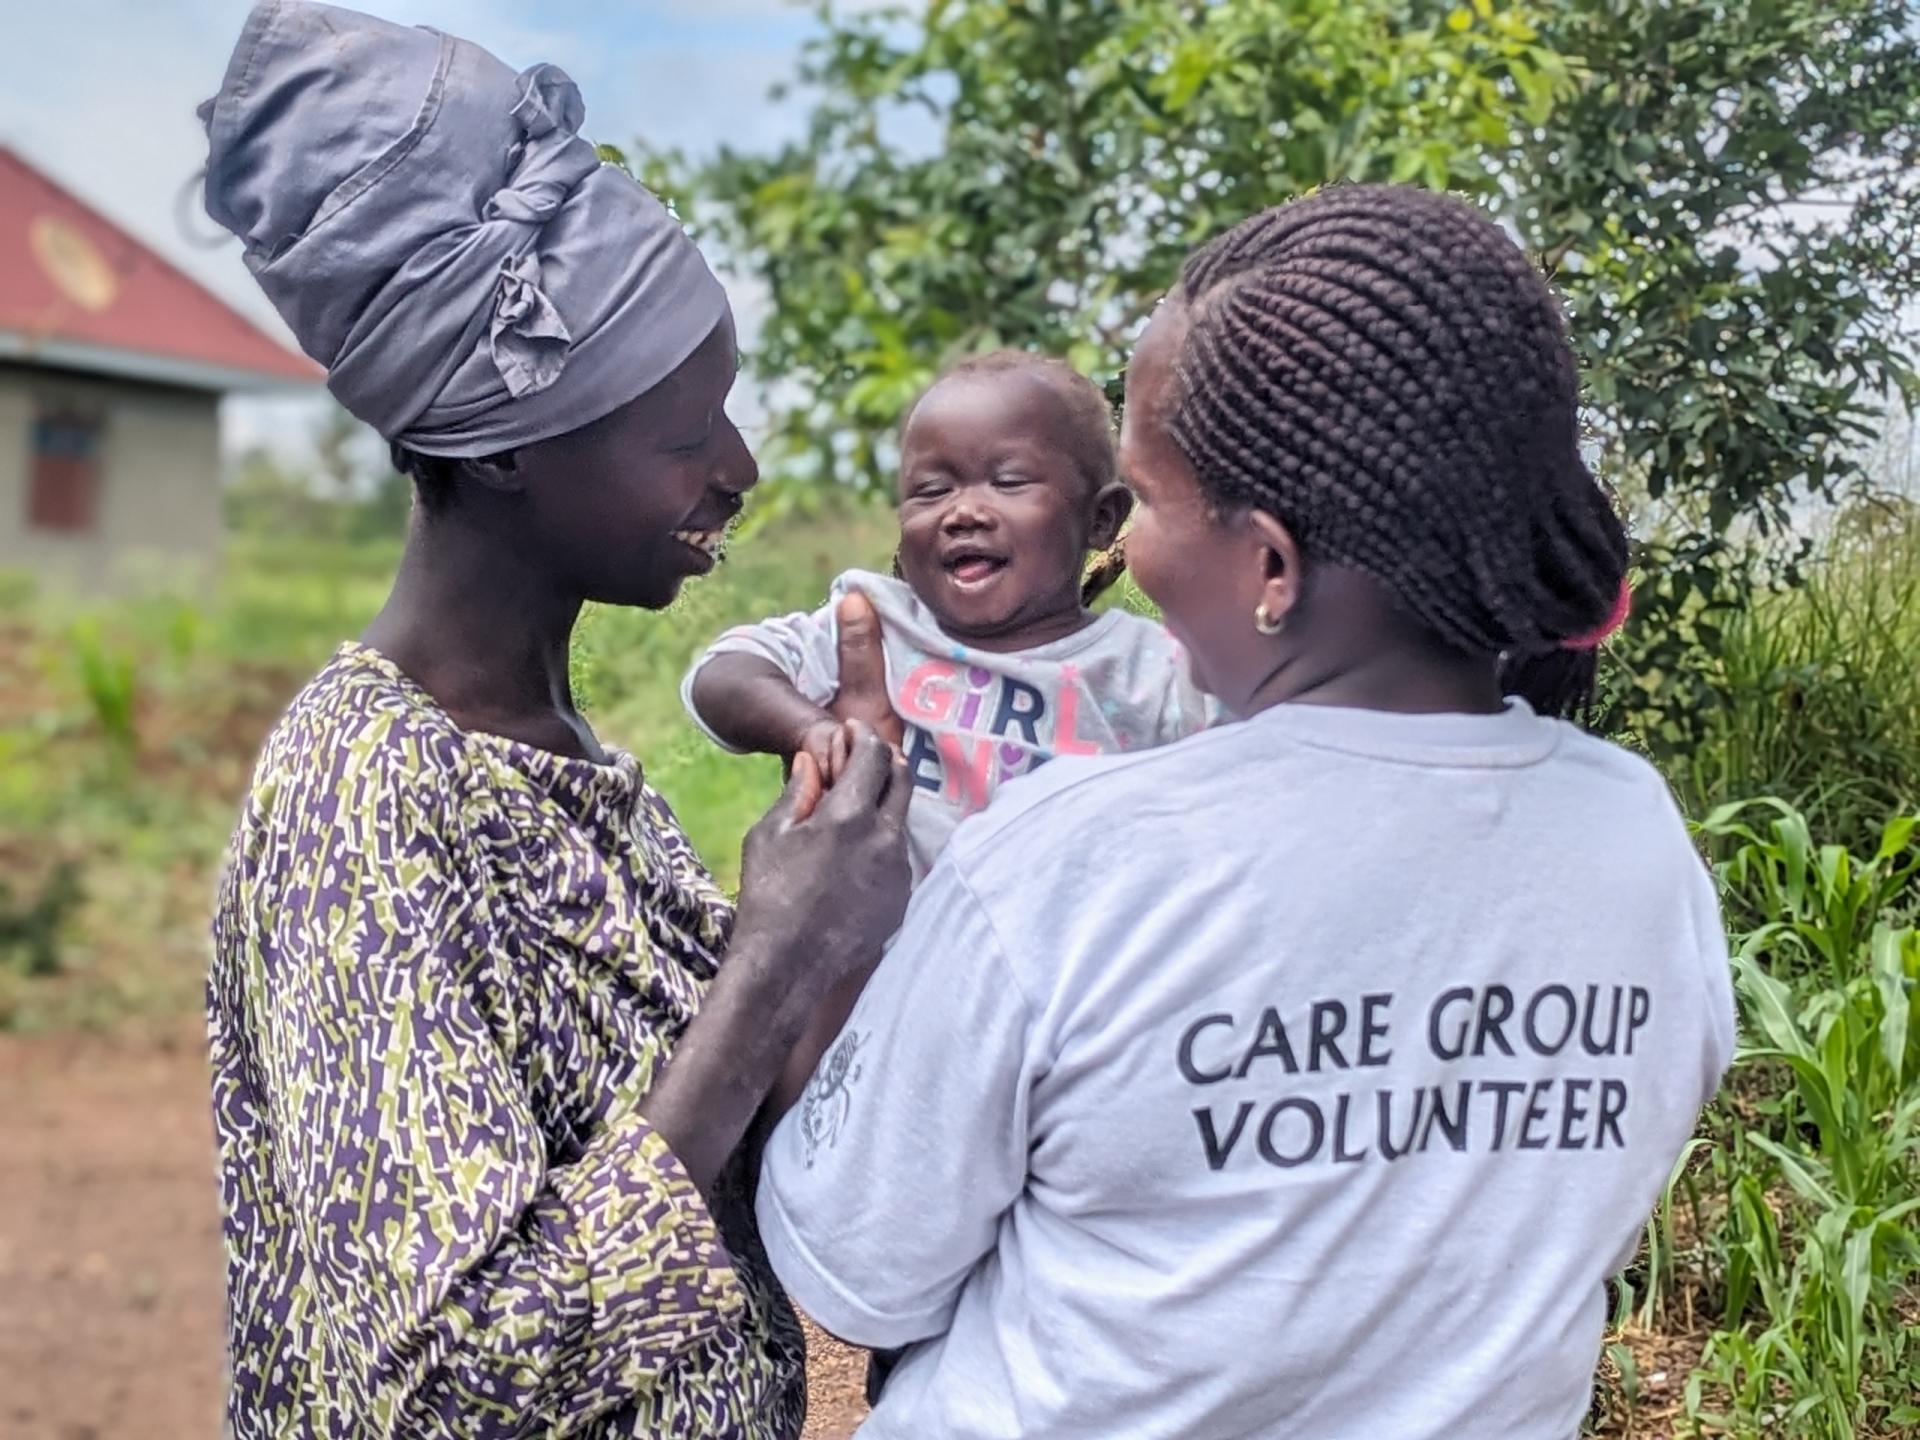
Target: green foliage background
1726	194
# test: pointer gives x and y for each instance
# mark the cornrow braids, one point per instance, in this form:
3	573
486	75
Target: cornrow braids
1382	370
1091	442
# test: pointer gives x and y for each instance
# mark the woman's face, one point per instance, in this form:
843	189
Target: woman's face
625	509
1205	566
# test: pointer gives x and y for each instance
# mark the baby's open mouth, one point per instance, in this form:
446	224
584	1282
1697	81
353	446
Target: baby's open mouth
972	567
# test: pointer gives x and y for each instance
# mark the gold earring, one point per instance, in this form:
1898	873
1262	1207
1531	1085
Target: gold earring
1267	624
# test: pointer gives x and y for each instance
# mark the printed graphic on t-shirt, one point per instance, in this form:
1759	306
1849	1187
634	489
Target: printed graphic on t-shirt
970	730
829	1097
1467	1029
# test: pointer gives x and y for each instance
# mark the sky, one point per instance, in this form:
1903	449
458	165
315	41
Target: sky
102	93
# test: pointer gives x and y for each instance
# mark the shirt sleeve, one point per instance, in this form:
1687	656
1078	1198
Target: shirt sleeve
1187	709
803	646
467	1285
1716	970
886	1185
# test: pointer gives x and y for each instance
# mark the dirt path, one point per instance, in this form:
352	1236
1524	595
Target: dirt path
110	1287
110	1284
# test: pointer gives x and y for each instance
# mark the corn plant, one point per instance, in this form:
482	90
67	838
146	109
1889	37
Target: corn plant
110	680
1819	899
1818	1162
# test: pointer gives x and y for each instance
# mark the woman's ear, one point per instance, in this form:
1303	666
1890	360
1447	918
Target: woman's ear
1110	510
1282	575
497	474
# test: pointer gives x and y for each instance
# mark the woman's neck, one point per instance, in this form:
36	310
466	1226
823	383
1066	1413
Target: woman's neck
1349	644
1409	683
486	636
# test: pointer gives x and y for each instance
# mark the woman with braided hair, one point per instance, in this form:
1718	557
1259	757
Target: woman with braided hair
1280	1082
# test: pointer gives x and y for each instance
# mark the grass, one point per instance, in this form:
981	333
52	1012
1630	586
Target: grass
1820	688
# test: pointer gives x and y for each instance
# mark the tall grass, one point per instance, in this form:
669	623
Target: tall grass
1820	687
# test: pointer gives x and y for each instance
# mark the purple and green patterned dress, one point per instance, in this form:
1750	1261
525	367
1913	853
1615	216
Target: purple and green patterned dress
446	967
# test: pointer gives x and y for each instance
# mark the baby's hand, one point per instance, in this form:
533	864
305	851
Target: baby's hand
825	743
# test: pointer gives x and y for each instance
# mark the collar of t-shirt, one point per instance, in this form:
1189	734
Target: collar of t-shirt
1512	736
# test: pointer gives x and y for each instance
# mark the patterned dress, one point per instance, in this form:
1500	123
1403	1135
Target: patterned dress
446	967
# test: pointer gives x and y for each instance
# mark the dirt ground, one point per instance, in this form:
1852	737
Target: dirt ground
110	1285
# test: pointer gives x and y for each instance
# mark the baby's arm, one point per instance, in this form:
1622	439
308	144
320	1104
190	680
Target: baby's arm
764	689
751	704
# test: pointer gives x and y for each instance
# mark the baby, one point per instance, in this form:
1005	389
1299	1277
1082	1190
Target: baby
994	662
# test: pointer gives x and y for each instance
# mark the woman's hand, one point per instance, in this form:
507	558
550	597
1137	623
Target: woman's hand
824	881
824	878
863	673
825	742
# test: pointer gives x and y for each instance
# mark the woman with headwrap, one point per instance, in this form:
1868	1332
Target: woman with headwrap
488	1044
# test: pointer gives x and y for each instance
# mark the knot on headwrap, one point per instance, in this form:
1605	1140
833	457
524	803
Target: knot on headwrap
549	159
549	100
437	233
528	336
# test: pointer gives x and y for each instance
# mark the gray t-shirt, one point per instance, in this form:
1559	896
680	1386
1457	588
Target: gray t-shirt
976	719
1307	1078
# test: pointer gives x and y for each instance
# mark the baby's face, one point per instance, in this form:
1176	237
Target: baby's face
994	514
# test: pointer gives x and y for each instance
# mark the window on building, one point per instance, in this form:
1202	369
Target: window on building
63	491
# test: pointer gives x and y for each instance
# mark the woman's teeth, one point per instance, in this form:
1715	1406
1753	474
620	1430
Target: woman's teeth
708	541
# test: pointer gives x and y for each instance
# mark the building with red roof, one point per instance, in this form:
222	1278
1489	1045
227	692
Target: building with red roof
112	365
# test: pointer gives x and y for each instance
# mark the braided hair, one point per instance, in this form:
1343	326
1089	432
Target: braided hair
1382	370
1090	439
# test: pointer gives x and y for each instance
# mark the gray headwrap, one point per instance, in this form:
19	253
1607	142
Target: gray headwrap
437	234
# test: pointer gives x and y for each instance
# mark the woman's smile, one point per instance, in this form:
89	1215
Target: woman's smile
707	546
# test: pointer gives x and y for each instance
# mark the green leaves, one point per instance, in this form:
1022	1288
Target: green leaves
1815	1147
1034	172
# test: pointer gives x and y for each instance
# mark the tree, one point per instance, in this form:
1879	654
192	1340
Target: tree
1726	193
1084	148
262	496
1730	202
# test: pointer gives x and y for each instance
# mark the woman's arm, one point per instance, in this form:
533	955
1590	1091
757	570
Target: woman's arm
823	883
828	1018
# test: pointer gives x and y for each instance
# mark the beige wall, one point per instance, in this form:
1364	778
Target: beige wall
159	511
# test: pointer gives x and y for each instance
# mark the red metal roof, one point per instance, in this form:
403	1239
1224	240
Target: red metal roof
80	293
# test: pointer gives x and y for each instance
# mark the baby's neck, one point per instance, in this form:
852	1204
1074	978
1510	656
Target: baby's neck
1024	634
